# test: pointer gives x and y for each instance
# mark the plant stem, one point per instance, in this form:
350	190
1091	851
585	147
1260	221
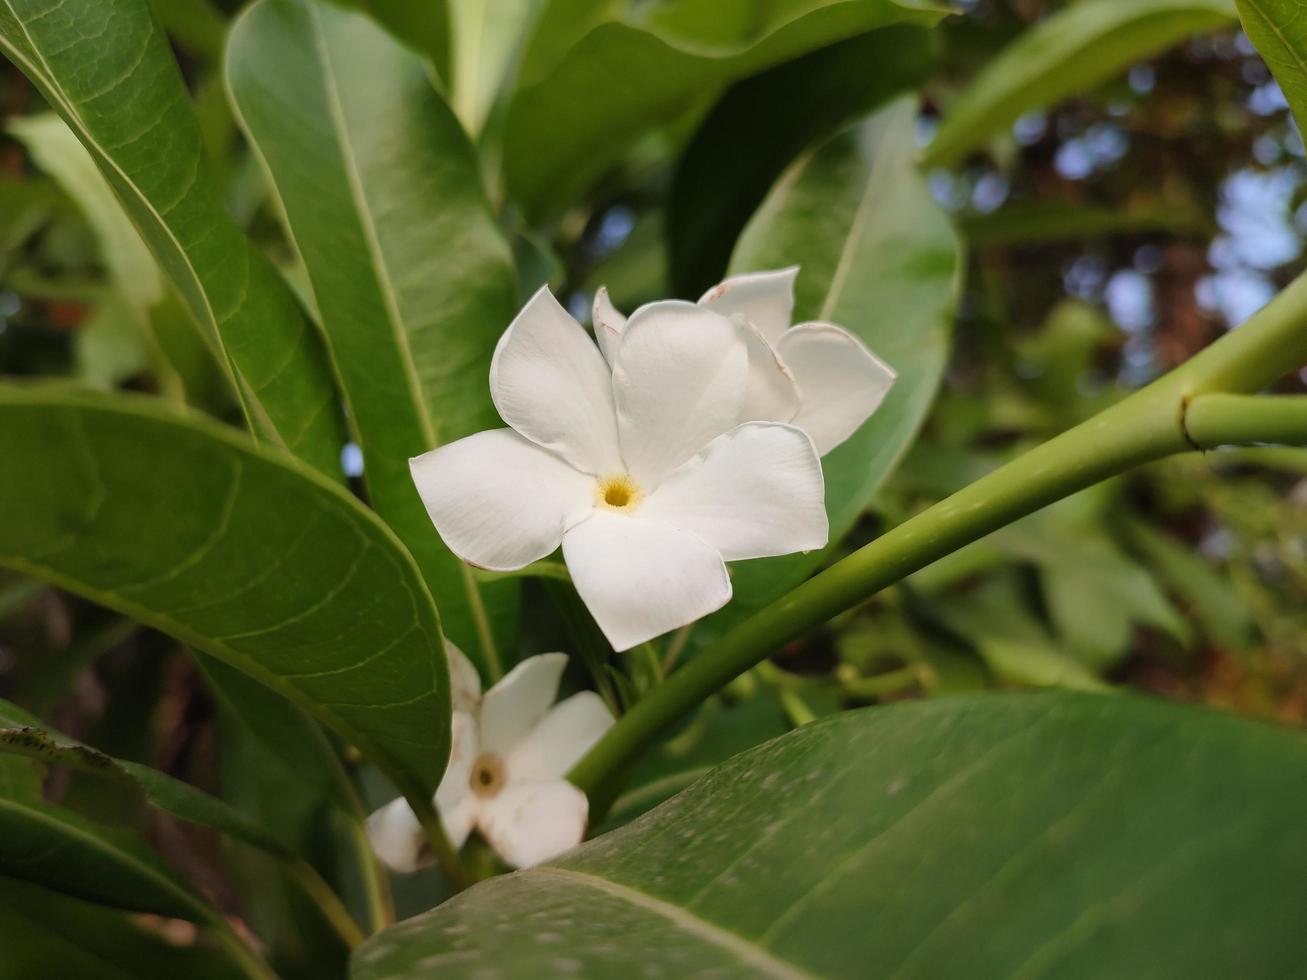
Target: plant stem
376	887
1145	426
328	903
441	848
1241	420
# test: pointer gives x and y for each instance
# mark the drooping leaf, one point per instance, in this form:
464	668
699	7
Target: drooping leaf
594	80
761	124
1277	30
412	279
105	66
1024	223
54	847
187	526
877	257
1073	50
24	734
45	934
1065	835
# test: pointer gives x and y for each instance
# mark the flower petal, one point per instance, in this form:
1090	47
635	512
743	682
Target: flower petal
513	706
755	492
397	837
551	384
608	324
500	501
464	681
771	394
841	381
529	823
765	299
557	743
679	379
640	578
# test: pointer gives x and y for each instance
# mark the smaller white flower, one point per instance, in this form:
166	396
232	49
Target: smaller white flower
508	755
816	376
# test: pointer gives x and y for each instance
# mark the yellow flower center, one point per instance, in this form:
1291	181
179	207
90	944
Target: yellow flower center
488	775
618	493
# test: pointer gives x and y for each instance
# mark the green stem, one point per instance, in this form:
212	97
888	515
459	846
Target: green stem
1241	420
877	685
376	887
441	847
251	964
328	903
1148	425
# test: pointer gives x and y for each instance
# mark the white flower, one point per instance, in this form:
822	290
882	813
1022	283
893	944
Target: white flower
641	471
508	755
815	375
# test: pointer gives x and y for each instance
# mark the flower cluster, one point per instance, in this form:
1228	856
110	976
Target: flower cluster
508	755
688	438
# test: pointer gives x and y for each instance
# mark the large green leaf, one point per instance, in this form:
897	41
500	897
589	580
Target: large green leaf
105	66
486	38
596	78
1084	45
45	934
187	526
761	124
876	256
414	282
1279	32
1056	835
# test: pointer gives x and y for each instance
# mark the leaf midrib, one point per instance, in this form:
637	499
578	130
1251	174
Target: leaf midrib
761	960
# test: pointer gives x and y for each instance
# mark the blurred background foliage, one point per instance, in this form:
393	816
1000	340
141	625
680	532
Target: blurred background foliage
1108	237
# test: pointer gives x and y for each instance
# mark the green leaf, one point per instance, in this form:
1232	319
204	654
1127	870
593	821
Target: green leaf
45	934
486	38
1277	30
761	124
1004	836
24	734
594	81
1029	222
422	25
187	526
877	257
415	285
50	846
1072	51
105	66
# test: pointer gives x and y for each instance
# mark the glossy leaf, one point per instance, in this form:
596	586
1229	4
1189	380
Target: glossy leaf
1056	835
45	934
878	257
187	526
24	734
593	82
761	124
105	66
1087	43
1277	30
412	279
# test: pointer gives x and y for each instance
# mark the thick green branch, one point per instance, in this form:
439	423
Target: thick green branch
1148	425
1245	420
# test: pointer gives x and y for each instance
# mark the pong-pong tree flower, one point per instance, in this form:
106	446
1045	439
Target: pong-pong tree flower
508	756
642	470
815	375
